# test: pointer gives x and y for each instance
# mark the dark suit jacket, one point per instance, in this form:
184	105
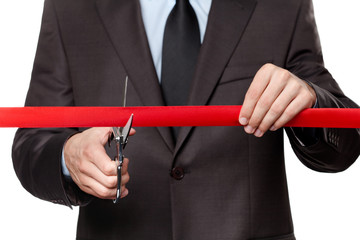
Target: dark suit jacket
235	184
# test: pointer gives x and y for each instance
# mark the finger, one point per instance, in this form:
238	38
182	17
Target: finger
124	193
277	83
294	108
93	150
92	171
277	109
125	166
98	194
132	131
125	179
256	89
102	134
103	162
93	187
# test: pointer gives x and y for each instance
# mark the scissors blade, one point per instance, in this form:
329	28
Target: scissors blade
126	131
125	91
117	131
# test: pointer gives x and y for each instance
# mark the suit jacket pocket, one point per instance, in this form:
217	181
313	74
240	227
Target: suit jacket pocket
282	237
241	72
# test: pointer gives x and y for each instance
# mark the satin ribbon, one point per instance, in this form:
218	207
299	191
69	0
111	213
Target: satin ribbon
46	117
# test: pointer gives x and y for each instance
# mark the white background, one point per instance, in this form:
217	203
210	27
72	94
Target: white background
324	206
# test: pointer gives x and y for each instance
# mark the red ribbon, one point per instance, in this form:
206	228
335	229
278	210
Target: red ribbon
44	117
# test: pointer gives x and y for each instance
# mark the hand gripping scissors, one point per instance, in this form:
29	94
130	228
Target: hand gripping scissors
120	137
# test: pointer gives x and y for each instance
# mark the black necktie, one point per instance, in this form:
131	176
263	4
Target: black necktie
180	50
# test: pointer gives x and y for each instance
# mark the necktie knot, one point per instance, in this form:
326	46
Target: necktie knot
182	2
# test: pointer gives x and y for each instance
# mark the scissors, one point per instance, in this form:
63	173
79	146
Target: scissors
120	137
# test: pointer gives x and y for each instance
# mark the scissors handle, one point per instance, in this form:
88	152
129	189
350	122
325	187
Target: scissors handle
118	189
119	157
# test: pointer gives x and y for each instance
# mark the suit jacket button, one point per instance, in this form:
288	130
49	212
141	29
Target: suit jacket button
177	173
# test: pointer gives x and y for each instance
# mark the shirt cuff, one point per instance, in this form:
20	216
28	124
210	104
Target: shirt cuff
64	169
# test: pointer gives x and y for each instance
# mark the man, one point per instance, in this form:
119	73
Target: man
224	183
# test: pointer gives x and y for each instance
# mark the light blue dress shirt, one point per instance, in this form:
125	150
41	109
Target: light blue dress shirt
155	14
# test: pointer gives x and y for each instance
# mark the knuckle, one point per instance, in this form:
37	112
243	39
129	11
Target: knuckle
252	93
264	126
108	169
264	103
255	122
275	109
308	96
82	166
268	66
289	113
266	123
284	75
294	89
104	192
111	182
295	84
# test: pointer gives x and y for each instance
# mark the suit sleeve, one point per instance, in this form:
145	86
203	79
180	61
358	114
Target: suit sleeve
37	152
335	149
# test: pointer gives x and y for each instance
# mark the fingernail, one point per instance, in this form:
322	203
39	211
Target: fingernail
273	128
258	133
243	121
249	129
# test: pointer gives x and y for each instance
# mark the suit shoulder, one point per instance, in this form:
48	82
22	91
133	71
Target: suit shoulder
71	5
290	4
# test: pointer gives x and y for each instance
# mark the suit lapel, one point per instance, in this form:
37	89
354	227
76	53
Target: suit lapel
123	22
226	24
